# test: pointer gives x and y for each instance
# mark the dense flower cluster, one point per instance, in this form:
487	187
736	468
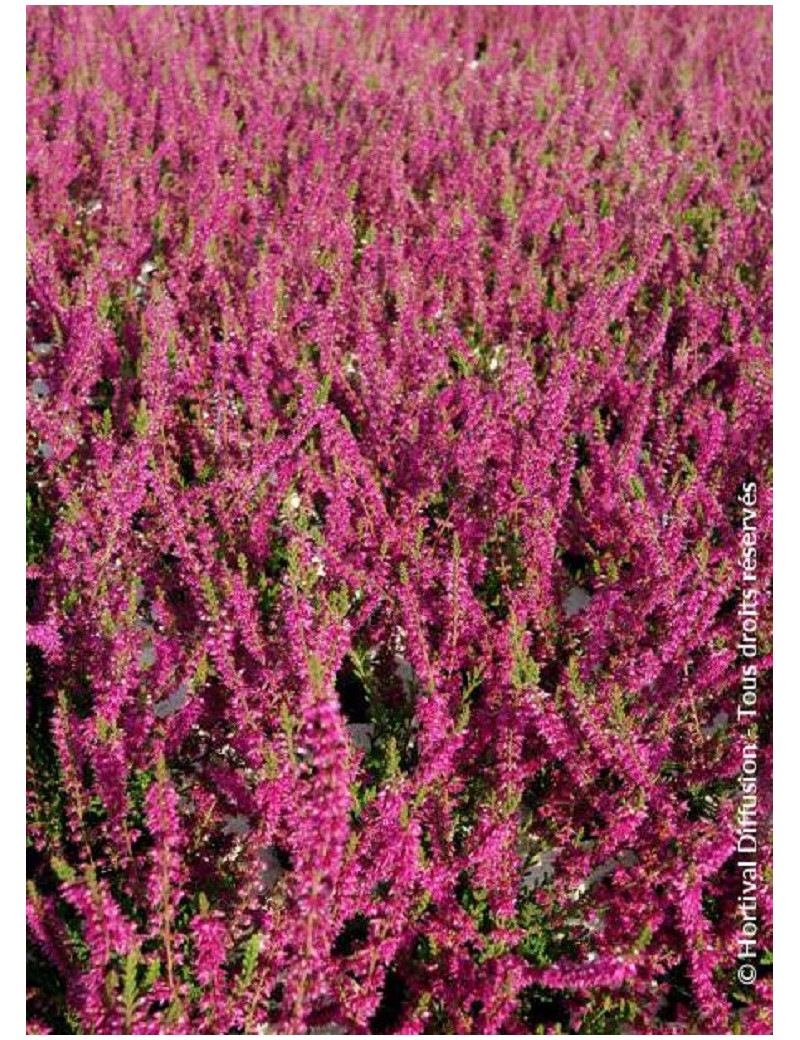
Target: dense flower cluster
393	374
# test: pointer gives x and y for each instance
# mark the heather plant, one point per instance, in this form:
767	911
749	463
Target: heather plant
393	376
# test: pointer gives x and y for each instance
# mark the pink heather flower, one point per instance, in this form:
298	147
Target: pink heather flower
393	375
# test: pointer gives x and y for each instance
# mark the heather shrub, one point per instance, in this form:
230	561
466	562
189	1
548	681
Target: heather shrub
394	374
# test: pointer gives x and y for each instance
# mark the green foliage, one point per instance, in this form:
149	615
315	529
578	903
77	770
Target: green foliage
38	525
506	568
